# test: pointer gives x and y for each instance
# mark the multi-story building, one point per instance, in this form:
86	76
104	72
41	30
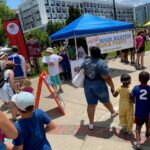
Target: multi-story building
142	13
37	13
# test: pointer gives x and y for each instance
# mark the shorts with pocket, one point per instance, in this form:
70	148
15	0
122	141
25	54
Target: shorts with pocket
96	91
55	80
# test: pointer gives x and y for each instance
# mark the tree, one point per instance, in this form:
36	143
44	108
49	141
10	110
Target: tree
2	1
5	14
53	27
74	13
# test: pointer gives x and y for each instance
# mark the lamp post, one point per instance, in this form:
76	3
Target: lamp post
114	8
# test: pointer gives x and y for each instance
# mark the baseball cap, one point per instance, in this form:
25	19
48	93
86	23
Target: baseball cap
23	100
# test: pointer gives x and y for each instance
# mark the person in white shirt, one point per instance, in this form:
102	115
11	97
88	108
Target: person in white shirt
53	67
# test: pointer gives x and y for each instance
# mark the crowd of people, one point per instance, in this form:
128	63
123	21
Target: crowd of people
97	76
16	91
136	53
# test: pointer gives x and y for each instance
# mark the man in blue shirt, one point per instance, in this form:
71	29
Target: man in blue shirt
31	130
20	63
141	95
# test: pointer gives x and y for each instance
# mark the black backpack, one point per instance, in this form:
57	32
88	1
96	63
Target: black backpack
2	81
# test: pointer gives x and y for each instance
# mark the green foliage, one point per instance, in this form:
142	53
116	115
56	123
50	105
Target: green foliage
2	1
54	27
5	14
41	36
74	13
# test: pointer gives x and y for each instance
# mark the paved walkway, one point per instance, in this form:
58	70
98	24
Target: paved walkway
72	131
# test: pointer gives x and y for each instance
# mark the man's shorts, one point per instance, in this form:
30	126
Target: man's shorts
141	121
55	80
96	91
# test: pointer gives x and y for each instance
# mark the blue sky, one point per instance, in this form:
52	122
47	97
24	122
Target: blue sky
14	3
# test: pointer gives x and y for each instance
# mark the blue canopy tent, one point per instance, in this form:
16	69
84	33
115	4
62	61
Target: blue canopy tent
87	25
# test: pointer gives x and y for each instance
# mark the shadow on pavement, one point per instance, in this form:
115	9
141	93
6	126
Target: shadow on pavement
103	130
4	107
99	130
54	113
118	72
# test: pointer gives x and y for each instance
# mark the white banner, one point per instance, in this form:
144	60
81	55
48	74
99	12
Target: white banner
112	42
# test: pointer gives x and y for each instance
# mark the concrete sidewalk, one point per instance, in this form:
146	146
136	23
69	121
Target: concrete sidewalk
72	131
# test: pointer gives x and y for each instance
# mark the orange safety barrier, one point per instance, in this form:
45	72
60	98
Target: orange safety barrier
38	93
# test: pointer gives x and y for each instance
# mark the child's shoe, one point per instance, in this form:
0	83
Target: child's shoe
91	126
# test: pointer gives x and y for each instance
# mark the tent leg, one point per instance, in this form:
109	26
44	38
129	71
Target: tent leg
76	48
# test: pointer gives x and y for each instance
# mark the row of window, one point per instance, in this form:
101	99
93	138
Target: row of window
32	25
83	4
28	5
33	18
84	10
30	12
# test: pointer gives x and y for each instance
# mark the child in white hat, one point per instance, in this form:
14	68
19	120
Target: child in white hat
31	127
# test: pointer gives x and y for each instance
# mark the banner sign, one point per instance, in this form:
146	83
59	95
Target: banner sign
112	42
15	36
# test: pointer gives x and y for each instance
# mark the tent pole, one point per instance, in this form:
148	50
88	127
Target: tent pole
76	48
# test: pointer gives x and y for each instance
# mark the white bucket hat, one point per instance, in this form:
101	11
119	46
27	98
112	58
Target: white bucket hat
23	100
50	50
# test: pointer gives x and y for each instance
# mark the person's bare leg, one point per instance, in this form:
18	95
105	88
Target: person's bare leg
142	59
137	59
91	113
109	107
138	132
147	125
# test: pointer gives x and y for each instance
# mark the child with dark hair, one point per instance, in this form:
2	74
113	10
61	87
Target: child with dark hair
125	104
141	96
32	125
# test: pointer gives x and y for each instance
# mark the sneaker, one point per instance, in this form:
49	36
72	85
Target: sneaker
123	129
138	147
122	61
60	91
129	133
142	67
126	62
91	126
138	68
114	114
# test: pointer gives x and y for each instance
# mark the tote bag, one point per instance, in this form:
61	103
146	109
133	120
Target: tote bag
79	79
